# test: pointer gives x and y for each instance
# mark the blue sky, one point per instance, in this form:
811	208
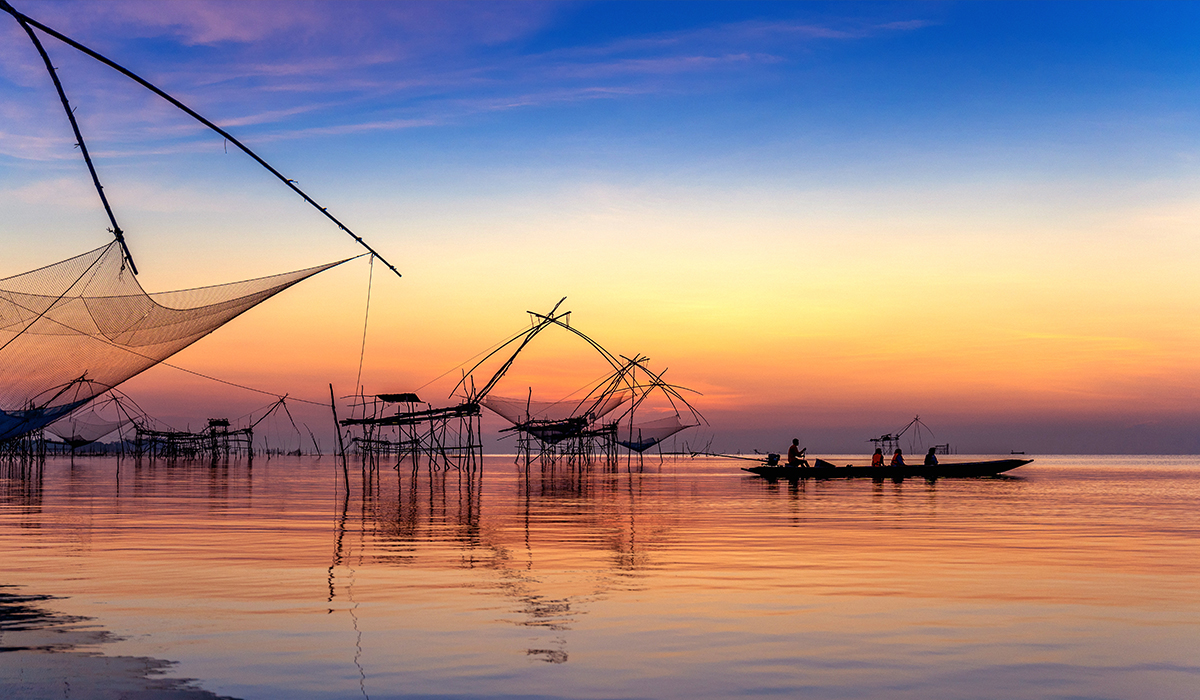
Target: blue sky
623	82
728	170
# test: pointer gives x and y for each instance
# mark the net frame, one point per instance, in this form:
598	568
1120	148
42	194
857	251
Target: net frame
72	330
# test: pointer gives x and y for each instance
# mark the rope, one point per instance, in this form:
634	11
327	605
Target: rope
229	383
507	340
366	316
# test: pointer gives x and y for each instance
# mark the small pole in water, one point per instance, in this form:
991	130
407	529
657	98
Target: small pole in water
341	445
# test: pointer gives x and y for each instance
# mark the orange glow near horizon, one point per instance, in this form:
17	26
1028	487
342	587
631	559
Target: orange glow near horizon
1027	324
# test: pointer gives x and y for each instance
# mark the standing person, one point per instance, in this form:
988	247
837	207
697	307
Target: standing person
877	458
897	458
931	457
796	454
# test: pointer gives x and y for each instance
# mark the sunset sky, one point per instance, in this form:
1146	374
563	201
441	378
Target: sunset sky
824	217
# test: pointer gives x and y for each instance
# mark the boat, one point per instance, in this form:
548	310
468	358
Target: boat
822	469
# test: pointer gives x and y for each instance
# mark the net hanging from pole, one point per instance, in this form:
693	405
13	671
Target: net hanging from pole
519	411
642	436
74	329
105	415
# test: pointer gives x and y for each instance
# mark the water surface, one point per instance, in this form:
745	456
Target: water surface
1077	577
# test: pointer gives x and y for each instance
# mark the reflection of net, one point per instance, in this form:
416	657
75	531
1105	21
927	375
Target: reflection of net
642	436
86	323
518	411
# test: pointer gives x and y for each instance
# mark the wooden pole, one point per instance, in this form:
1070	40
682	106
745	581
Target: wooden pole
341	445
25	20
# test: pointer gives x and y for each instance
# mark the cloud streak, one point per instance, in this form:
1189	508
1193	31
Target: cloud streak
310	69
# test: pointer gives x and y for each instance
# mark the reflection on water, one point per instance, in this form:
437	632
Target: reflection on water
1076	577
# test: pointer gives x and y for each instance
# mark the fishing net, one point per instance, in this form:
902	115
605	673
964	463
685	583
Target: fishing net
642	436
104	415
78	430
72	330
519	411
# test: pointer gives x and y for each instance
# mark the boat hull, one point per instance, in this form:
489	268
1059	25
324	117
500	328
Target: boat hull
939	471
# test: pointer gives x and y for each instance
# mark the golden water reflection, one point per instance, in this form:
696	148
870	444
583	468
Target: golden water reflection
681	580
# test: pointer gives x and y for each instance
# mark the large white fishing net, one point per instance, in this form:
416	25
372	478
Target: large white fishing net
72	330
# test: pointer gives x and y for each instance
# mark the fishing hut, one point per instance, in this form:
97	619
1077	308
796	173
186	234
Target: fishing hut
219	440
404	427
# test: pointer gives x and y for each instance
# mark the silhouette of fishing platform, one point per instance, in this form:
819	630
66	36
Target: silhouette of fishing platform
587	430
215	441
583	431
393	425
890	442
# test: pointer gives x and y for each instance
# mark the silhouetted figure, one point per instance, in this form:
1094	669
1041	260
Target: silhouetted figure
931	457
796	454
897	458
877	458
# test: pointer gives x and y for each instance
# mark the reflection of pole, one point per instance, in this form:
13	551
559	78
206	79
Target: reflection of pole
337	549
341	445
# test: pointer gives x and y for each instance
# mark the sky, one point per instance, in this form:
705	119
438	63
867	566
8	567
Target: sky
825	218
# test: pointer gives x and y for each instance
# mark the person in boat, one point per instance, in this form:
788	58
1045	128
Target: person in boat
796	454
931	457
897	458
877	458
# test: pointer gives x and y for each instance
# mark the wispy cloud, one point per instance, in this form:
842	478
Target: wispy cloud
44	146
192	23
353	128
906	25
535	99
65	192
329	69
275	115
658	65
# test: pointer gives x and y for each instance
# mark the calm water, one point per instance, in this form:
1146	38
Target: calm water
1077	578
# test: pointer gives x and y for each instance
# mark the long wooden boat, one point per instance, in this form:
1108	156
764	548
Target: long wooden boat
827	470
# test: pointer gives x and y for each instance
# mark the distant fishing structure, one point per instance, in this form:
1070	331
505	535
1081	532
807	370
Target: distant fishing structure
395	425
578	432
74	330
219	440
890	442
587	430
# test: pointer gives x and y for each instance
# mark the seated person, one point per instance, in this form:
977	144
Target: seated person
931	457
877	458
796	454
897	458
